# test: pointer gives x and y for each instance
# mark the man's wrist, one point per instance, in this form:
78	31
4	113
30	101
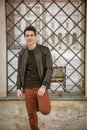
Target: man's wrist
18	89
43	86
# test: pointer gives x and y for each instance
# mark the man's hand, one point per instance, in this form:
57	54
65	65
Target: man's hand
20	95
41	91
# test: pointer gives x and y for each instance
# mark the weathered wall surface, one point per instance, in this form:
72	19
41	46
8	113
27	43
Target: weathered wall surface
65	115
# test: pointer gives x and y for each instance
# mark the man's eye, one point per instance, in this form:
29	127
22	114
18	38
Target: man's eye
32	35
26	35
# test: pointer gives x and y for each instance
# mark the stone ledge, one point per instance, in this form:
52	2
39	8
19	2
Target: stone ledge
60	98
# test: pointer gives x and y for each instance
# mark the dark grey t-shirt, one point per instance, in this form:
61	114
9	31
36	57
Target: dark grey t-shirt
32	79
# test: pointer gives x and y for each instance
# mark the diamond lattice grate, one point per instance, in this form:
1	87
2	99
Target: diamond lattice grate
60	26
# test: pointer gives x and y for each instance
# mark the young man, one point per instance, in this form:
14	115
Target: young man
34	77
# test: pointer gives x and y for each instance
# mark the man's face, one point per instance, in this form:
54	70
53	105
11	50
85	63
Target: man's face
30	37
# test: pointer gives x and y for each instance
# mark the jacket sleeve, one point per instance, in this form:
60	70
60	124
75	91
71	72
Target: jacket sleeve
19	84
48	70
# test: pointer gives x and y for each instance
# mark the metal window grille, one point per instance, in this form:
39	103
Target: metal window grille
60	26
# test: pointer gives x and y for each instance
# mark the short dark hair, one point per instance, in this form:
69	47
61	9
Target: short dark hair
30	28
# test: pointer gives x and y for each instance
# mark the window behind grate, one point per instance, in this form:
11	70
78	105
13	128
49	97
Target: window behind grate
60	26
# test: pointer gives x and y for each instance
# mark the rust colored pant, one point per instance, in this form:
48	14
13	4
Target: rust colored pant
33	102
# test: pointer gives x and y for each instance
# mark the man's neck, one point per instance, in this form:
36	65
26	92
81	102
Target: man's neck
32	47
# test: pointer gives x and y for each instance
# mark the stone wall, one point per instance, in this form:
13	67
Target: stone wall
65	115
